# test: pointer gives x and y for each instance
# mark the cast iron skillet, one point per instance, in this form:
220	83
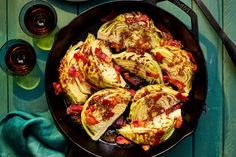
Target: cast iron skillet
90	21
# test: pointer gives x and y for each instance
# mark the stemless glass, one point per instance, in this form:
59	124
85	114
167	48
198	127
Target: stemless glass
38	19
18	58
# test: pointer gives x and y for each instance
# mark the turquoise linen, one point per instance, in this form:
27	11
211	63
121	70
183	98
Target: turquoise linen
30	135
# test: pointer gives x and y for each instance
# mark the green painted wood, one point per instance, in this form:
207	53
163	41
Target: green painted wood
3	75
208	136
32	100
229	80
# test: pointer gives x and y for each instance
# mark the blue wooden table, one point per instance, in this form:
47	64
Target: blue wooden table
214	136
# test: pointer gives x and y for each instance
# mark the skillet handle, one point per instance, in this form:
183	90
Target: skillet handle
187	10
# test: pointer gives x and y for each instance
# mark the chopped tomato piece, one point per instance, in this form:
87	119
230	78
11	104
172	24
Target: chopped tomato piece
146	147
122	140
91	120
57	88
179	122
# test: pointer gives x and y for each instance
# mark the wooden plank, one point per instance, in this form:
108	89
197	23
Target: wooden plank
208	137
229	85
33	100
3	75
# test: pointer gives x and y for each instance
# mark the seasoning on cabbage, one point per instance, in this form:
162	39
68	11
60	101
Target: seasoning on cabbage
143	66
102	109
133	30
154	113
178	66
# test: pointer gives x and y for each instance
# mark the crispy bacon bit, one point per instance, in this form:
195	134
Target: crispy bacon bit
72	71
137	123
74	109
117	47
133	80
132	92
108	114
146	147
193	61
117	68
157	96
122	140
80	57
57	88
91	120
176	83
179	122
135	19
158	56
181	97
111	102
171	109
101	55
151	74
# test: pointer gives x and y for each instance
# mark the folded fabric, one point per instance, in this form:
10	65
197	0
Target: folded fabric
30	135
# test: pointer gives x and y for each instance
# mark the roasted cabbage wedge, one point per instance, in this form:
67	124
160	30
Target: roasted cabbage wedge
134	29
99	68
178	66
143	66
154	112
71	78
153	132
102	109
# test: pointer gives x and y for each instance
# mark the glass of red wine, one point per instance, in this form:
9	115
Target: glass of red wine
38	19
18	58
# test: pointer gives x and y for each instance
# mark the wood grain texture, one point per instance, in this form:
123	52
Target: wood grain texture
208	137
229	80
3	75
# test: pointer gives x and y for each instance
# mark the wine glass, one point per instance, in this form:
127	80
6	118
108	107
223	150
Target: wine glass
18	58
38	19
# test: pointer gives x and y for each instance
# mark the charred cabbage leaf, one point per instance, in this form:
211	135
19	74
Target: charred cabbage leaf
99	68
153	114
178	65
143	66
71	78
131	30
102	109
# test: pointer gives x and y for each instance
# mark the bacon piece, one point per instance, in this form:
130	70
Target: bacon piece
57	88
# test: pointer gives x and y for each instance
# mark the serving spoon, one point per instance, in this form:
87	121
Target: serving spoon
229	45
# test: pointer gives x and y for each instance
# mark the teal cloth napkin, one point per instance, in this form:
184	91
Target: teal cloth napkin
30	135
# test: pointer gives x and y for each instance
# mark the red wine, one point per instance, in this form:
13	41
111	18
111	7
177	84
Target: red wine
19	57
38	19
